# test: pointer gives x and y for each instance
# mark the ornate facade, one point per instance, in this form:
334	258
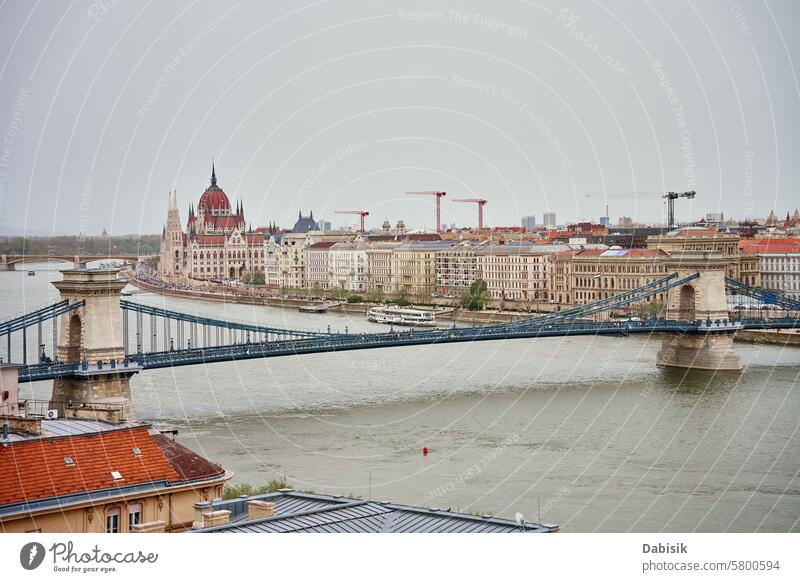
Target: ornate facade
216	245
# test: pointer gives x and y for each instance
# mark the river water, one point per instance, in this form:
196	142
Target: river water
584	432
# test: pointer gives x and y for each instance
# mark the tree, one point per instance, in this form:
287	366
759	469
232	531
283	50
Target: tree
339	294
375	295
234	491
478	295
316	290
354	298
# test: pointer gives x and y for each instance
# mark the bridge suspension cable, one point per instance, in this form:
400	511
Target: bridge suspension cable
614	302
38	317
212	331
738	288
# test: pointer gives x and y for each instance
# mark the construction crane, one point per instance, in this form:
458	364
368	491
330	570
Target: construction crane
670	197
480	202
361	214
439	196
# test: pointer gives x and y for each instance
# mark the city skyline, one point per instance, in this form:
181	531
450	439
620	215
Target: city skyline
101	130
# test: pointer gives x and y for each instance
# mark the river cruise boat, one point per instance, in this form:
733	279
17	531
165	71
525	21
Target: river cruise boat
395	315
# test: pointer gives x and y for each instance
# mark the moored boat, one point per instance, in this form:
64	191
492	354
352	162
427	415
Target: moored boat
395	315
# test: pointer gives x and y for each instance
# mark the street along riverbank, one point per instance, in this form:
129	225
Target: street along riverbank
458	314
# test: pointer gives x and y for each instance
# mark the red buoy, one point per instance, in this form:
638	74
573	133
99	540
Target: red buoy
425	451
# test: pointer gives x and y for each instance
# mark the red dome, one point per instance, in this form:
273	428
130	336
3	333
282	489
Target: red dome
214	199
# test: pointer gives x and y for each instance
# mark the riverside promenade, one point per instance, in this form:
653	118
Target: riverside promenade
250	296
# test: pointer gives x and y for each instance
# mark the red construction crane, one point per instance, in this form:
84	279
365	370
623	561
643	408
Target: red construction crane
480	202
439	196
361	213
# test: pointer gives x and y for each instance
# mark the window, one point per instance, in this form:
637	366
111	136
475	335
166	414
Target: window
112	520
134	515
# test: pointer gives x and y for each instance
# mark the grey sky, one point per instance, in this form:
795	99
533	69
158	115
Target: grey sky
337	105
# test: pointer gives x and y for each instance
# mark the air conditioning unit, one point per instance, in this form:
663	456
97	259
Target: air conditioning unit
51	414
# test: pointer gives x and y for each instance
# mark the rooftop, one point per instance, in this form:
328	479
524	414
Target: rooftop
433	245
521	249
623	253
313	513
80	460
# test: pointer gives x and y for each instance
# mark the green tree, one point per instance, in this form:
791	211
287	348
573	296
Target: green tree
339	294
233	491
354	298
375	295
478	295
316	290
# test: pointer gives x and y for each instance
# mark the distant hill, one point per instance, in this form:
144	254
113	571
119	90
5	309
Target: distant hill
146	244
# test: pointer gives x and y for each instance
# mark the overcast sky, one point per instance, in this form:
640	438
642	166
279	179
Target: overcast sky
340	105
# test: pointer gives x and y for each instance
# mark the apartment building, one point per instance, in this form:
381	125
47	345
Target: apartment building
292	259
272	263
516	272
92	471
779	264
348	266
379	266
318	270
559	276
414	267
457	267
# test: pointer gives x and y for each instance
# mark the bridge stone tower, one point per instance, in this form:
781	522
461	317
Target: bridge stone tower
702	299
92	335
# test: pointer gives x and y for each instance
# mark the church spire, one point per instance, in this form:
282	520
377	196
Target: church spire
213	174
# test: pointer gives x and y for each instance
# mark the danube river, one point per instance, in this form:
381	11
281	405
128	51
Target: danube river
584	432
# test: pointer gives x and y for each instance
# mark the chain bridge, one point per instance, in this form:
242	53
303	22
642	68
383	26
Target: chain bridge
91	342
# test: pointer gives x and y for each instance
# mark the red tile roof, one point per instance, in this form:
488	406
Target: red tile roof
36	469
188	464
321	245
776	247
210	239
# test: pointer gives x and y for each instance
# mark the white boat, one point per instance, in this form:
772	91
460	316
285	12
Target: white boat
395	315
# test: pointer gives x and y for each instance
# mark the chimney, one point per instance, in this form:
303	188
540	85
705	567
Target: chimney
9	389
257	509
206	516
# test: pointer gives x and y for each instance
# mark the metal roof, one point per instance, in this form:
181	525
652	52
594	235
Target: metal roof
67	427
305	512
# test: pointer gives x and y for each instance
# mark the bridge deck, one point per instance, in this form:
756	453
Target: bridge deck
349	342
